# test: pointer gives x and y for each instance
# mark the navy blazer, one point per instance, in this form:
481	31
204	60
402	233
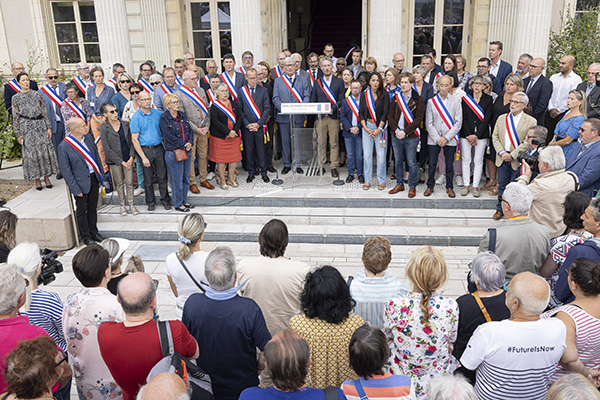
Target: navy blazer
426	93
74	168
9	92
51	107
240	80
346	115
436	68
504	70
586	167
593	99
281	94
337	87
539	97
218	120
319	75
261	99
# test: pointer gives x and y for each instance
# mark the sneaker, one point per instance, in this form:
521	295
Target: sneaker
167	207
134	210
151	208
123	211
138	191
440	180
210	176
459	180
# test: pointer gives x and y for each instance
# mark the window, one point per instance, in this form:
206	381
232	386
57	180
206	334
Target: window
437	24
211	30
76	32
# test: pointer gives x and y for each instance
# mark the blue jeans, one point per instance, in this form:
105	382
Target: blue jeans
505	176
354	148
368	144
408	146
139	168
179	175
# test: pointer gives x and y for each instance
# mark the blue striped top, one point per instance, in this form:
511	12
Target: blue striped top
371	294
46	311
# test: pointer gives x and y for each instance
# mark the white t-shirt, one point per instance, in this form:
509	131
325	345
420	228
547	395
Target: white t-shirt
181	279
515	360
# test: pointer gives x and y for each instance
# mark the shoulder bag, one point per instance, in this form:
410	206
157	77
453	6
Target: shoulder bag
190	274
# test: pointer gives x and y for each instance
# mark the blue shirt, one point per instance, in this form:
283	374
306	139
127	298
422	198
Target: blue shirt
119	101
97	101
148	126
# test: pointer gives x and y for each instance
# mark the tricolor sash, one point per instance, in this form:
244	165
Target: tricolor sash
113	82
166	88
81	84
287	81
406	111
89	158
180	81
195	98
231	117
312	77
474	106
76	109
211	95
205	77
439	74
353	106
327	90
512	131
442	111
254	108
48	91
277	71
371	108
146	85
243	70
225	77
13	84
349	53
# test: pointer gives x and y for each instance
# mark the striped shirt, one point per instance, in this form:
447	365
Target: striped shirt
382	387
46	311
515	360
371	294
587	338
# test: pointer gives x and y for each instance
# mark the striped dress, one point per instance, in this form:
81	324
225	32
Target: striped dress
46	311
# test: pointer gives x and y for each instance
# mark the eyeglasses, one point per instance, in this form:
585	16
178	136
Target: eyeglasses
146	99
125	81
193	79
583	130
531	137
505	201
175	102
482	66
505	287
247	58
53	77
63	357
134	92
112	111
146	70
534	66
154	83
515	102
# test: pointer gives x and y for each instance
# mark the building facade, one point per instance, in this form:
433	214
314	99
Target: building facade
103	32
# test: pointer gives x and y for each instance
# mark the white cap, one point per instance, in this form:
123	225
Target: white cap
123	245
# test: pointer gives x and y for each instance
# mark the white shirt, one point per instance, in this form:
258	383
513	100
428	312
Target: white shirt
495	67
354	120
588	88
561	88
88	149
532	82
515	360
181	279
507	143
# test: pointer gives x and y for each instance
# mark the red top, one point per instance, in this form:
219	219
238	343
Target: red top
131	352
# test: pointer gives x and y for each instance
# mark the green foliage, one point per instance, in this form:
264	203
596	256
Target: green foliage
10	149
579	37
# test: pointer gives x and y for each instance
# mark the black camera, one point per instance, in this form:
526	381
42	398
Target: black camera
50	267
532	159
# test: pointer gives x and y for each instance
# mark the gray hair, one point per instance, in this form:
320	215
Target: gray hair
525	97
289	60
594	65
519	197
540	132
220	268
450	387
326	59
13	286
530	303
112	247
573	386
487	271
420	69
26	257
156	77
596	204
554	157
528	56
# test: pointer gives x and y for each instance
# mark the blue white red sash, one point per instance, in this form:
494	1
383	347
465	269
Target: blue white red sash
205	77
48	91
512	131
371	108
439	74
474	106
89	158
13	84
442	111
327	90
349	53
226	111
287	81
146	85
113	82
243	70
76	109
211	95
166	88
250	101
312	77
227	79
406	111
81	84
195	98
180	81
353	106
277	71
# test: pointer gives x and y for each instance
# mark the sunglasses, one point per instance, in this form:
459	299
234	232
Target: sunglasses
64	357
134	92
112	111
505	287
126	81
53	77
154	83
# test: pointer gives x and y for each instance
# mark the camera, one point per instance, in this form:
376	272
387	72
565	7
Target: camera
50	267
532	159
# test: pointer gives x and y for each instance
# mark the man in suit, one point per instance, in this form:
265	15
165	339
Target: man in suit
54	94
592	90
144	80
508	146
562	83
169	86
247	61
328	89
499	68
584	160
262	71
483	69
298	66
117	69
282	93
539	89
442	137
356	67
191	99
352	132
277	70
233	80
435	69
314	72
82	79
82	178
179	67
211	68
255	111
328	51
11	88
398	61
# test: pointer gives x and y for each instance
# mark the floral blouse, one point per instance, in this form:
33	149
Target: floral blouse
84	312
68	113
417	350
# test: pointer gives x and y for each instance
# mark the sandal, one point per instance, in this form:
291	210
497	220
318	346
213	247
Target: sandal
366	186
490	184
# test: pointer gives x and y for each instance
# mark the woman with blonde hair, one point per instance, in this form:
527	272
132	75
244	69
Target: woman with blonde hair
422	325
185	268
566	132
371	64
123	96
464	76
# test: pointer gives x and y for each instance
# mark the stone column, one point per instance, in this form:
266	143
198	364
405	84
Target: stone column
246	29
273	25
154	29
113	34
385	31
503	14
532	29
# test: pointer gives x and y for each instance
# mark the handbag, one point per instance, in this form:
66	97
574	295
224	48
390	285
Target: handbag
190	274
180	155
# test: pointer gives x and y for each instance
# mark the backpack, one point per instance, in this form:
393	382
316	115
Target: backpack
198	382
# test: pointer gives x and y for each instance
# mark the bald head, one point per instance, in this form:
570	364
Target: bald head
190	78
77	126
532	290
193	68
137	293
164	386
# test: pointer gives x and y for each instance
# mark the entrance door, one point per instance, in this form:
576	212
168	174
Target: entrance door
209	30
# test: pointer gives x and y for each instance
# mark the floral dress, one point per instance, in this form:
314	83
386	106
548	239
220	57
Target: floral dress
417	350
68	113
84	312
